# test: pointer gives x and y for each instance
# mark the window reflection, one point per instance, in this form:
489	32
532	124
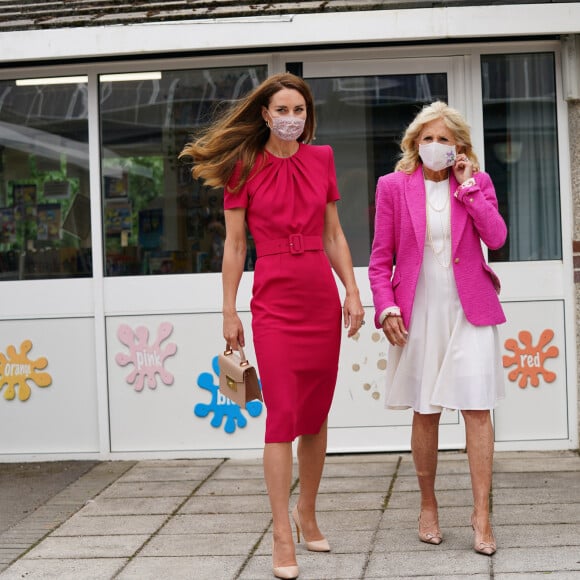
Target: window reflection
157	220
363	118
45	229
521	152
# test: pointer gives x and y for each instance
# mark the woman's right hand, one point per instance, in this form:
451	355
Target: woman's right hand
395	330
233	330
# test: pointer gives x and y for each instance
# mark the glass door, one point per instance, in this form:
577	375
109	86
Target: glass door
363	107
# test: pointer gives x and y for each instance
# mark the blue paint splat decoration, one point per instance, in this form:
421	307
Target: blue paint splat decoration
221	407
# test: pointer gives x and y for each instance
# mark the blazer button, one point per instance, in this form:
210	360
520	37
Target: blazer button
471	200
456	260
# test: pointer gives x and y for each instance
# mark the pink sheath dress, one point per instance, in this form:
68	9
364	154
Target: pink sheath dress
296	310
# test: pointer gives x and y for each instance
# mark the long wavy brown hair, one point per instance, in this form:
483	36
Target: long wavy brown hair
241	133
454	121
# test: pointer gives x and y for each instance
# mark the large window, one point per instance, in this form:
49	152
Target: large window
157	220
364	118
521	152
45	228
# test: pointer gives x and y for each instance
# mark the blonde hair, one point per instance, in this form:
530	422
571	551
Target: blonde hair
241	133
454	121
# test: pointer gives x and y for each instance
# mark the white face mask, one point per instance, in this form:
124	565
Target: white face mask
437	156
288	127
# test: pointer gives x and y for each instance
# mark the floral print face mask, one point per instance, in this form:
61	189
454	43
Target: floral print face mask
437	156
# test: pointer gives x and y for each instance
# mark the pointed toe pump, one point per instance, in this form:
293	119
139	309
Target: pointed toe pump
314	545
430	535
286	572
481	547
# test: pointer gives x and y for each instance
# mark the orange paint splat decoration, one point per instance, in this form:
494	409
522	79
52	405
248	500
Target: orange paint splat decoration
17	369
529	359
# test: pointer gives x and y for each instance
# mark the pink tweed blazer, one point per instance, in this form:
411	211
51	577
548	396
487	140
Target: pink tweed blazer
400	229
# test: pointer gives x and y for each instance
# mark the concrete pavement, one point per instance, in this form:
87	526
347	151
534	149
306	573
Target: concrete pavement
208	519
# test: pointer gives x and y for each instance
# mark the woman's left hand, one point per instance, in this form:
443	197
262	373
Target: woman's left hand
353	313
463	168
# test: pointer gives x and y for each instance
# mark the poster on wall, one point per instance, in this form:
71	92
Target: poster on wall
48	217
116	187
57	189
118	217
24	197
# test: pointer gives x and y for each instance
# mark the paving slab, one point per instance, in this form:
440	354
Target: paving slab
226	505
538	535
352	520
542	495
537	559
562	513
240	471
186	568
312	567
544	463
131	506
251	486
442	562
80	525
368	469
123	489
216	523
224	544
87	547
350	501
69	569
354	484
553	480
153	473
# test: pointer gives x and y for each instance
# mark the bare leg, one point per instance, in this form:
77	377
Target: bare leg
479	437
278	476
311	456
424	445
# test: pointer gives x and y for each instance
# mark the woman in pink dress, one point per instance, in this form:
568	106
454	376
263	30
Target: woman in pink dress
285	191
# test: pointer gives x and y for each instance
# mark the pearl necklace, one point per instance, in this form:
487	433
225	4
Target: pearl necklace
445	227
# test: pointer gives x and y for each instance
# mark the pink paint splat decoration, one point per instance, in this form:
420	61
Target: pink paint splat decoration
148	360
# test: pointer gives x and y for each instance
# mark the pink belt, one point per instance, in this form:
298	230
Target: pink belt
293	244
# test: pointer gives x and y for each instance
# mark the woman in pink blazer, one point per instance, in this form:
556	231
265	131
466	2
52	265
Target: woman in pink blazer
436	300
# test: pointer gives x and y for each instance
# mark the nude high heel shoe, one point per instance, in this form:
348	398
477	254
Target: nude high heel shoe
481	547
284	572
313	546
432	536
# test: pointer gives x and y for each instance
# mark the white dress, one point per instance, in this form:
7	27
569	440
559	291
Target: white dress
447	363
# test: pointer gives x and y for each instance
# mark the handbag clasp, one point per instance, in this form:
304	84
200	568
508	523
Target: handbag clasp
232	384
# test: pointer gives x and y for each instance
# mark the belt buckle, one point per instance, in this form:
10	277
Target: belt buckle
296	244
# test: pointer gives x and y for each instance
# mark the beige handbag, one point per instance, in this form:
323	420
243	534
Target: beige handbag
238	378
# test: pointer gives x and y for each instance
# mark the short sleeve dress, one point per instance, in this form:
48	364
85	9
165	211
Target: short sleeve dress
296	310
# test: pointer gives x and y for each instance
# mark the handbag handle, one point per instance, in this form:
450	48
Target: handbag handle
244	361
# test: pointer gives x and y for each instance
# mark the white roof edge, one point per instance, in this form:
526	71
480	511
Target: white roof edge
291	31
